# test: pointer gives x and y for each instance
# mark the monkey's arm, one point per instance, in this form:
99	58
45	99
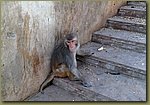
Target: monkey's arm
80	77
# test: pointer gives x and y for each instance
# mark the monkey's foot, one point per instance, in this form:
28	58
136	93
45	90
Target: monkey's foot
85	84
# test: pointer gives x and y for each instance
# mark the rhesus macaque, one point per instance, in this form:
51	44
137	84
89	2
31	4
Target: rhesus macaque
63	61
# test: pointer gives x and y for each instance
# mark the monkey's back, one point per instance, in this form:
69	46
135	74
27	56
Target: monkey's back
58	56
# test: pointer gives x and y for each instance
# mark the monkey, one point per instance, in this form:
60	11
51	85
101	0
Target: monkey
63	61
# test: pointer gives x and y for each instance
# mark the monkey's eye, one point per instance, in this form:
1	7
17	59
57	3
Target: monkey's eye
74	41
68	42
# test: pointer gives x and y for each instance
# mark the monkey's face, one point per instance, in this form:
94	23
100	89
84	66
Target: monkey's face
72	44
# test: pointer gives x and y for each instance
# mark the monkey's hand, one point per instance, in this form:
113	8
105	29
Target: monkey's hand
84	53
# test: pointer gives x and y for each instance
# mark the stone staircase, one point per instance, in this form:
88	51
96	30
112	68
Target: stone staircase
117	69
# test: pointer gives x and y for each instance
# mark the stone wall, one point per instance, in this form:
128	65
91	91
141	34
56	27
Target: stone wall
28	32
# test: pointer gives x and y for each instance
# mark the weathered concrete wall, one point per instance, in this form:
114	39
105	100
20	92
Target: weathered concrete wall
84	17
28	32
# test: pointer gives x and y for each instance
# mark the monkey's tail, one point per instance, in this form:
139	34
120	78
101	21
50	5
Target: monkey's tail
46	82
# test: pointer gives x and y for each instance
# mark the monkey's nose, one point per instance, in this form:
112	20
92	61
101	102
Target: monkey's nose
72	46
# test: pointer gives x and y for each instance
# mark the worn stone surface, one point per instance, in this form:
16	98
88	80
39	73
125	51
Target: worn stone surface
116	59
28	32
127	23
124	39
134	11
117	87
137	3
105	87
80	91
55	93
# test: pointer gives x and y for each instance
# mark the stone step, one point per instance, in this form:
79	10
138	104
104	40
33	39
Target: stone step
134	11
127	23
121	38
105	86
116	59
137	3
78	89
54	93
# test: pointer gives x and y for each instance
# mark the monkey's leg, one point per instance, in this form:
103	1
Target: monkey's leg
65	72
